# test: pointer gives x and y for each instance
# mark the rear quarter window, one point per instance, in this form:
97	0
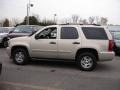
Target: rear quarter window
94	33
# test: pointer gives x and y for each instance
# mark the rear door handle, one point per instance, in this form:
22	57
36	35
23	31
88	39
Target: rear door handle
52	42
76	43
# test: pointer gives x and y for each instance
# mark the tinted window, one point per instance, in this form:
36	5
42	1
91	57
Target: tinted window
94	33
69	33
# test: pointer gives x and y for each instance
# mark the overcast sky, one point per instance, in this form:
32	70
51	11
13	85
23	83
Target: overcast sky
63	9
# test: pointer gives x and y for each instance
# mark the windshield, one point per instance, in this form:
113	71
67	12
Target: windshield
24	29
4	30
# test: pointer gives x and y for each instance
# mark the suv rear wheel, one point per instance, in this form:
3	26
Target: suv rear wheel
20	56
86	61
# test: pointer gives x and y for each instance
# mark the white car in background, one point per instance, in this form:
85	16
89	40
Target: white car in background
4	31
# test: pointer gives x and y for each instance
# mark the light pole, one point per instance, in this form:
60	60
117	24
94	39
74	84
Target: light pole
28	11
55	18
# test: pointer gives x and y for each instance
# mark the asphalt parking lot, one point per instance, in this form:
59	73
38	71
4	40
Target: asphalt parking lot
46	75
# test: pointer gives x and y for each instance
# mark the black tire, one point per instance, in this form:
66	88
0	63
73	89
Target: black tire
24	58
117	51
5	43
80	61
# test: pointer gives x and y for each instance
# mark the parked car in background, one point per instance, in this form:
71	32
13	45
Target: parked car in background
116	38
23	30
115	31
4	31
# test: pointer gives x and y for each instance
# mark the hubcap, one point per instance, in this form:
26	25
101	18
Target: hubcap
19	57
86	62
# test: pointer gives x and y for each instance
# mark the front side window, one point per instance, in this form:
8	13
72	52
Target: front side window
94	33
49	33
69	33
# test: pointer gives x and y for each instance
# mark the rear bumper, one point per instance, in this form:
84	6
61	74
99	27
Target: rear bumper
106	56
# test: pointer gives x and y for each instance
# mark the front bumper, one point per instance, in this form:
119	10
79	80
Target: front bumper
106	56
8	51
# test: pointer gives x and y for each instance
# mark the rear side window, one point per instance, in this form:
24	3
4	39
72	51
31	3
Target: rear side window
94	33
69	33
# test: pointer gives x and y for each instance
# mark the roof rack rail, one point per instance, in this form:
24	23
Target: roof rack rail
95	24
70	24
79	24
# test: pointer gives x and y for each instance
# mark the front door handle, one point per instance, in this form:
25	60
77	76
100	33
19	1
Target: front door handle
76	43
52	42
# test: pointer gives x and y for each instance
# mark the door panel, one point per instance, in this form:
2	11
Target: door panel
43	48
68	43
46	45
67	49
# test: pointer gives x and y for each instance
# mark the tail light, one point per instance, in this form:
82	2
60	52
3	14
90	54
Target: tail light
111	44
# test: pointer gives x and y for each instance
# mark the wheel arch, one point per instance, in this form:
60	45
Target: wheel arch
19	46
91	50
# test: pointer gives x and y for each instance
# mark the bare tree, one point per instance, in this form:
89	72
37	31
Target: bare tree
104	21
80	21
101	20
98	20
6	23
85	21
75	18
37	16
91	19
1	22
15	22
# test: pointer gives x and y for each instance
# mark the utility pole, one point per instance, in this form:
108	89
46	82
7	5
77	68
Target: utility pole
28	11
55	18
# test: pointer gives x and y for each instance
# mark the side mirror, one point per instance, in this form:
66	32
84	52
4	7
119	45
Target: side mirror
37	36
34	32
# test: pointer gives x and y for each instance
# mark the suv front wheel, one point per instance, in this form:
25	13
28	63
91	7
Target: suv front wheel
86	61
20	56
